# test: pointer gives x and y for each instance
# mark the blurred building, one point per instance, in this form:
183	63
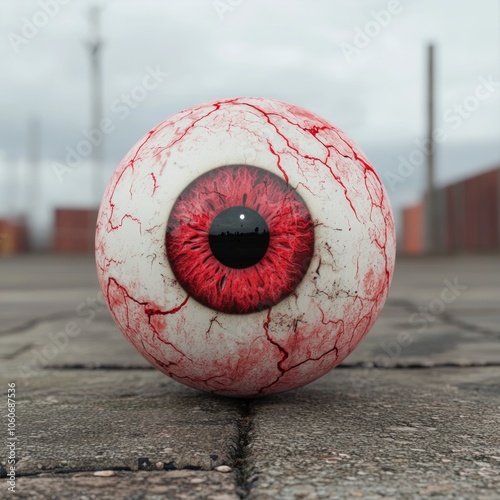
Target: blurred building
74	230
13	235
467	213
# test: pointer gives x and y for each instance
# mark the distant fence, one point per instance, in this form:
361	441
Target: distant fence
467	213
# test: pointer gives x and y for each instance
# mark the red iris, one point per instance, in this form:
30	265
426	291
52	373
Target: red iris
260	285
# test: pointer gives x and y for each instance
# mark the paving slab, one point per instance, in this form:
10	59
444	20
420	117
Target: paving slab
90	420
399	434
47	272
88	402
33	287
179	484
476	272
394	341
399	338
23	309
94	344
403	345
465	331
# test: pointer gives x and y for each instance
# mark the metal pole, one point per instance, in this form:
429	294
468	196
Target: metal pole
95	47
33	187
431	225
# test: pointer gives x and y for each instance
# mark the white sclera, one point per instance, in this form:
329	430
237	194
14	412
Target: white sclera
302	337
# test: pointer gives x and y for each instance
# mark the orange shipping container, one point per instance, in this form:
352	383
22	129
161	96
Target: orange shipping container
413	229
12	236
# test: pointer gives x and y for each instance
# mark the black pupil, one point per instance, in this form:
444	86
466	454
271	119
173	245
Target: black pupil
239	237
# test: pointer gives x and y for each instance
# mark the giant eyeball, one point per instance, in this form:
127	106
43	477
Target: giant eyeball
245	246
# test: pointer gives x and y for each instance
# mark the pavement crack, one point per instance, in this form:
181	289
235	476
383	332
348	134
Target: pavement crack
143	465
17	352
67	470
465	325
412	365
37	321
98	366
241	464
445	317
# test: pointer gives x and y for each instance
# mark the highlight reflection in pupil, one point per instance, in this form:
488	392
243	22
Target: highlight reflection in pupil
239	237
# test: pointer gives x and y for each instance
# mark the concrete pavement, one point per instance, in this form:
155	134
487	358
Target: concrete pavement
412	413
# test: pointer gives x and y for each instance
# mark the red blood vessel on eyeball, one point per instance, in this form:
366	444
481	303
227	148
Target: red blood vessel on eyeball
245	246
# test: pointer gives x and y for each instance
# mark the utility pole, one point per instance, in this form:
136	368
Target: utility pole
430	201
33	187
95	48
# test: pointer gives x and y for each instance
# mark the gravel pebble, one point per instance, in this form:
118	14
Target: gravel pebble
104	473
223	468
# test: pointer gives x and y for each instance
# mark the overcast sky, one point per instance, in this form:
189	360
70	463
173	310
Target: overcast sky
359	64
